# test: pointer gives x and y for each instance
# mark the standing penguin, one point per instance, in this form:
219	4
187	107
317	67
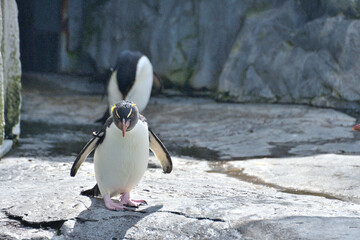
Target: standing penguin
122	154
131	79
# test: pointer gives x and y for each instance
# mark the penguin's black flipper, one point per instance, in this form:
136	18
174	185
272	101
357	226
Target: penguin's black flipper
160	152
89	147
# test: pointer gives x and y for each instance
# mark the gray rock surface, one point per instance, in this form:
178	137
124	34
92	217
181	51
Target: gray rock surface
297	59
306	196
283	51
187	41
297	228
193	202
337	173
220	131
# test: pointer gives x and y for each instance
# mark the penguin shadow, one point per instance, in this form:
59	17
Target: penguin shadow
97	222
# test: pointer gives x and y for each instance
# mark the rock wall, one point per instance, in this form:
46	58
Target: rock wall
289	51
10	74
301	52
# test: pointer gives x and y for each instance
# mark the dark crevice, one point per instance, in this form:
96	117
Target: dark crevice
197	218
127	216
196	152
56	225
83	220
277	150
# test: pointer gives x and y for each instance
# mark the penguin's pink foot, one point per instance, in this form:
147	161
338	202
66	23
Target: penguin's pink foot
110	204
125	200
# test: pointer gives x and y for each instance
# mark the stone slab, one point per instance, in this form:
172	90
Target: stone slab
195	201
330	175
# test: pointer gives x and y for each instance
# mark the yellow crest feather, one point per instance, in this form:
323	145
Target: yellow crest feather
112	111
132	105
112	108
129	113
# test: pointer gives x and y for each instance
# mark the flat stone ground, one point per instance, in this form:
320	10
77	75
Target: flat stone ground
241	171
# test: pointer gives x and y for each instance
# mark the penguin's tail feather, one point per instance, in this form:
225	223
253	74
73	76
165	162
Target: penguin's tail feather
93	192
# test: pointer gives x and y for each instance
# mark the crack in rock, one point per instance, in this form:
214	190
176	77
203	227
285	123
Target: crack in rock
197	218
84	220
56	225
231	171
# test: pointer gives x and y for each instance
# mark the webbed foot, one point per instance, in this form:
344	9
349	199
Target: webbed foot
110	204
127	201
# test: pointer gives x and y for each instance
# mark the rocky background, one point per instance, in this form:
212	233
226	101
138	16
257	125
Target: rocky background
241	171
10	74
283	51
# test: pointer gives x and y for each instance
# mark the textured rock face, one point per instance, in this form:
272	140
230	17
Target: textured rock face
188	41
10	71
260	51
296	53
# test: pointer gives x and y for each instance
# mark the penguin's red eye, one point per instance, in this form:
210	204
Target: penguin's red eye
132	115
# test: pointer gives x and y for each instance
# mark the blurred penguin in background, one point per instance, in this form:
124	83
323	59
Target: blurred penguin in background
131	79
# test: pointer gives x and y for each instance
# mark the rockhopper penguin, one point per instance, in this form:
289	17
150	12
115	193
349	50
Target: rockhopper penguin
131	79
122	154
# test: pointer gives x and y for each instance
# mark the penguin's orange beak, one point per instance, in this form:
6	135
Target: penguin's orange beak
123	127
356	127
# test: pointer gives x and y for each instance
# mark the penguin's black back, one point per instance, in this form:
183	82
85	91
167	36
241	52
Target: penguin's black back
126	70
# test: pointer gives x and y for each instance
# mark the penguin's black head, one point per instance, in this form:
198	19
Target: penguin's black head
126	115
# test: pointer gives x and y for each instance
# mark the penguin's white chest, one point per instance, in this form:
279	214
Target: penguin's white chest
120	162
